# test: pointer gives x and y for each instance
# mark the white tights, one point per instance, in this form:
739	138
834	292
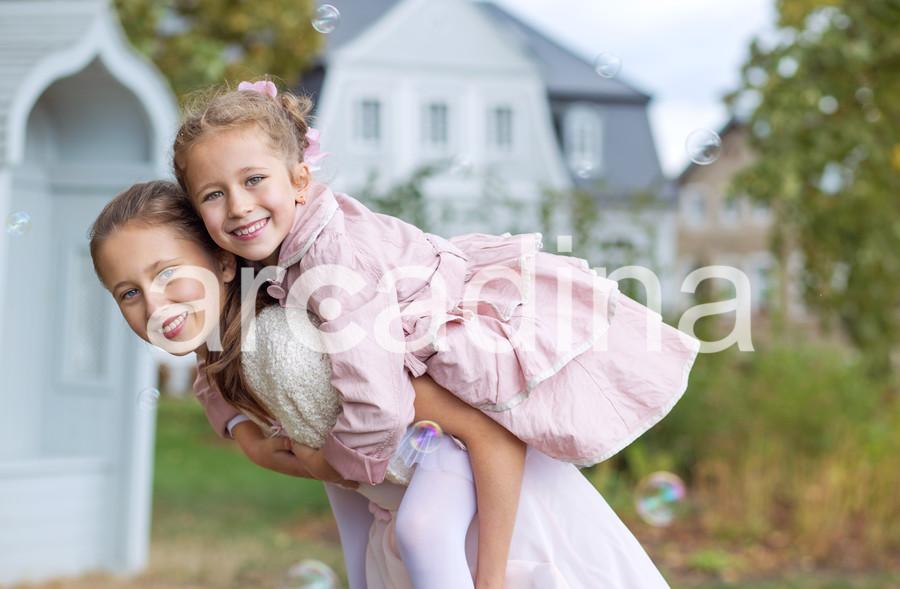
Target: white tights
431	524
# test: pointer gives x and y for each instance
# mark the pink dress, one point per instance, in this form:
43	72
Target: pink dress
539	342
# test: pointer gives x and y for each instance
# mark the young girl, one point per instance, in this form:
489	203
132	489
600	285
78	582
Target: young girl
154	256
565	375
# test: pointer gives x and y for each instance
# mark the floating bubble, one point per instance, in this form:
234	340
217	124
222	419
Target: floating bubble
148	399
461	165
311	574
659	498
424	434
327	170
420	440
326	19
607	65
18	223
703	146
828	105
584	169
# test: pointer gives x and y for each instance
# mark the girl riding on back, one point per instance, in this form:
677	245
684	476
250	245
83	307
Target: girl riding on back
538	342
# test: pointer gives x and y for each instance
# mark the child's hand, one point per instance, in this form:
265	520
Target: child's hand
269	453
314	462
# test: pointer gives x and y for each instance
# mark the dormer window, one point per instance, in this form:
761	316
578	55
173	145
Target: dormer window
583	136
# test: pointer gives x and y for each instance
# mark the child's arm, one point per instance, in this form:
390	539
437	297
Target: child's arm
367	356
498	463
269	453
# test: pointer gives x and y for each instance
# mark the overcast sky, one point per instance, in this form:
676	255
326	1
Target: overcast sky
685	53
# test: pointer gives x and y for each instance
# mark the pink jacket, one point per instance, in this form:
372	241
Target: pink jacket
561	359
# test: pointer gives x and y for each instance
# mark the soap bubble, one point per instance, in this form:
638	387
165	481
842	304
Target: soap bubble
607	65
424	434
584	169
326	19
659	498
311	574
703	146
18	223
461	165
148	399
420	439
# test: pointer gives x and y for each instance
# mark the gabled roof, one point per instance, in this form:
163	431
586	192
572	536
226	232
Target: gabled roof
356	17
566	74
31	31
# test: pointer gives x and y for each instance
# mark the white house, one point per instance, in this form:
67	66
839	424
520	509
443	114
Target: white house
405	82
81	117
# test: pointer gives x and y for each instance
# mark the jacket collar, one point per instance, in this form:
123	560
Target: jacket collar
309	221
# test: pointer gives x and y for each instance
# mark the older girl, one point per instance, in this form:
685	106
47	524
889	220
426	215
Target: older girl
165	274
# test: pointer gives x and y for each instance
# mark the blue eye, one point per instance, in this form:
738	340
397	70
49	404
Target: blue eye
129	294
167	273
212	195
254	180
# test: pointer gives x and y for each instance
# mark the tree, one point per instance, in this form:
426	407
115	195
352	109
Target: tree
826	130
199	43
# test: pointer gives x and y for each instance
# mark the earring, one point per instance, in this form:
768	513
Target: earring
302	200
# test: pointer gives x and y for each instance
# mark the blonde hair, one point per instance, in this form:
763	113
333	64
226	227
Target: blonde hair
283	119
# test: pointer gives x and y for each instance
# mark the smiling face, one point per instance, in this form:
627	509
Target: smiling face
167	287
244	191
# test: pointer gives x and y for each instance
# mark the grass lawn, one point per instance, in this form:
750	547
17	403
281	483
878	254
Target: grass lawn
220	522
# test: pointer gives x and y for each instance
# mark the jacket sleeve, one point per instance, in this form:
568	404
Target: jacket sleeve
375	390
218	411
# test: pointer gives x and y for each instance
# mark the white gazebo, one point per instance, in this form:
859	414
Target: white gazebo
81	117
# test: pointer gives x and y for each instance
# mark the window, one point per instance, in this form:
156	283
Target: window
435	125
729	210
693	205
500	128
761	213
583	136
761	269
367	123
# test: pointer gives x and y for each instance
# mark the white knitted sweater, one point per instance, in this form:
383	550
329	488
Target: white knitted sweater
292	378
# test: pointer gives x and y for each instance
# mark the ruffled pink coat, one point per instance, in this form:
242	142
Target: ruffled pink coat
539	342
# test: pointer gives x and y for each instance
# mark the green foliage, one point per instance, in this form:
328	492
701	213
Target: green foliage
405	200
797	438
199	43
206	483
827	136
